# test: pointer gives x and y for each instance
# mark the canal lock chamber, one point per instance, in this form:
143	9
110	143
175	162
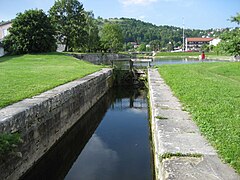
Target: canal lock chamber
111	141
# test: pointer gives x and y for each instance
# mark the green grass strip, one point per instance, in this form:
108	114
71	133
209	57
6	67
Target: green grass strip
211	93
28	75
161	117
178	154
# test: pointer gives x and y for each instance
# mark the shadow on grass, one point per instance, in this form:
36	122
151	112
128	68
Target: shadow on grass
10	57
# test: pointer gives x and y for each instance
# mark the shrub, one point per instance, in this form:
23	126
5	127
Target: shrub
8	142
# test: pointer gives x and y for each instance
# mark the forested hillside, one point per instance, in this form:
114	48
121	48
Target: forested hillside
147	33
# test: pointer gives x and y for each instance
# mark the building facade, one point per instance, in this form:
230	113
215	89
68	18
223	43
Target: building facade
215	42
4	26
195	44
1	50
4	29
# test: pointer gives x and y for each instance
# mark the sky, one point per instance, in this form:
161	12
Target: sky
194	14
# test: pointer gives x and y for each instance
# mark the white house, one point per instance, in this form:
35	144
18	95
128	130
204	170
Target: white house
195	43
1	50
4	26
215	42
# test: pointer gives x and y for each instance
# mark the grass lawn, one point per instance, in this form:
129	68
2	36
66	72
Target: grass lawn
28	75
211	93
209	55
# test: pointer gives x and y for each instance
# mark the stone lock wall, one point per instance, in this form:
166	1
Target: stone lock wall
43	119
179	150
99	58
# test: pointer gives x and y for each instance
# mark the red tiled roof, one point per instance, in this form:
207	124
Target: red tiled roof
199	39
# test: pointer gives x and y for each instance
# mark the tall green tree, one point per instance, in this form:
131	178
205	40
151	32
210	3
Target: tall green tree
93	39
69	19
111	37
31	32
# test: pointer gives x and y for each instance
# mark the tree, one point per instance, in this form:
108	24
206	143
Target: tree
170	46
93	39
69	19
127	46
230	41
236	18
111	37
31	32
142	47
205	48
155	45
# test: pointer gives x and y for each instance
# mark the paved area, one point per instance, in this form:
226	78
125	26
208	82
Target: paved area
180	152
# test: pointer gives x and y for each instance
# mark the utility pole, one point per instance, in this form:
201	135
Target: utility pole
183	46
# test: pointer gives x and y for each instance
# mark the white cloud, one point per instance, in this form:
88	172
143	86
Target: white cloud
147	2
95	160
136	2
142	17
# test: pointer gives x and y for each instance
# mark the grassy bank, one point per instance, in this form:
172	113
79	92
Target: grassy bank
209	55
211	93
28	75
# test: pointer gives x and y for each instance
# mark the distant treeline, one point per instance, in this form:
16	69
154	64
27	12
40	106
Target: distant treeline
143	32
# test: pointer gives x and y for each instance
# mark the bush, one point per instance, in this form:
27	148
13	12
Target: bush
8	142
31	32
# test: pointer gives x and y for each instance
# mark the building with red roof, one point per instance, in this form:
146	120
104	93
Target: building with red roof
195	43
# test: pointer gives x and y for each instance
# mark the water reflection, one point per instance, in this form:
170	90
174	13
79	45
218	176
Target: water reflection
123	64
57	162
118	149
161	61
96	160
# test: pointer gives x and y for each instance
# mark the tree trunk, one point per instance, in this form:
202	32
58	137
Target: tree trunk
66	46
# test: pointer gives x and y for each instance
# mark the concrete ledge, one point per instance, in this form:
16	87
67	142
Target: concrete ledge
43	119
180	152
